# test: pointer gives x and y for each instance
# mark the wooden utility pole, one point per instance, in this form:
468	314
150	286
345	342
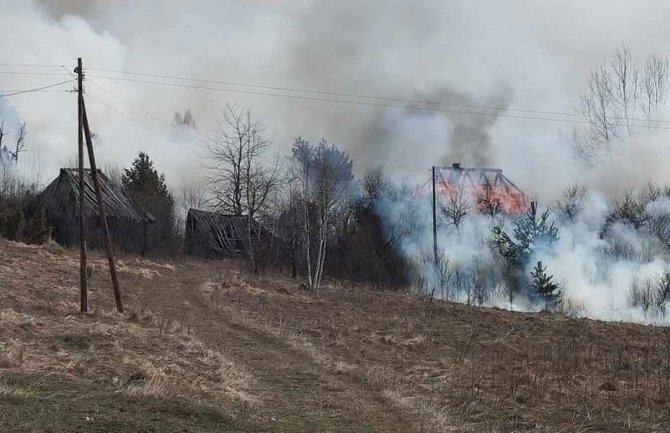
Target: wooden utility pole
103	213
434	220
84	131
83	290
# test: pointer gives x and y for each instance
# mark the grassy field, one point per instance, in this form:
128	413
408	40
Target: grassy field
205	347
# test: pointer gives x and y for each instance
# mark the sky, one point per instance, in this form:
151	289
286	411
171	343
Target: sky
515	54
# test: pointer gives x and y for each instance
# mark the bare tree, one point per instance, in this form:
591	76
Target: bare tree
324	174
242	176
3	133
20	142
375	184
625	85
192	196
19	146
615	92
456	209
114	173
236	149
598	109
189	196
654	84
570	205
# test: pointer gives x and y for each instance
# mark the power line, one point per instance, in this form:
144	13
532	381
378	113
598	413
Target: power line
139	123
342	101
30	73
373	97
120	113
341	94
576	117
37	89
29	65
2	91
541	115
125	101
374	104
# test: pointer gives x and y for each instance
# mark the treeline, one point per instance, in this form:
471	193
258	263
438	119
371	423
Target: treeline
317	218
16	193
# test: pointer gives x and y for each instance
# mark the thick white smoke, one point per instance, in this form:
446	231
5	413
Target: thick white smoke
596	269
473	53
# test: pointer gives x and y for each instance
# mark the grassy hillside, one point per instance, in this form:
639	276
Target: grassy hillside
204	347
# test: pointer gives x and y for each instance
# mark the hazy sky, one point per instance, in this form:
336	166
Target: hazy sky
520	54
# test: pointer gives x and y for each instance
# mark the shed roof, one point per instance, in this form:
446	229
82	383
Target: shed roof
219	234
215	217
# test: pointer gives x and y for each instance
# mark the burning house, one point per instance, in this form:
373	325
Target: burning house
488	188
128	222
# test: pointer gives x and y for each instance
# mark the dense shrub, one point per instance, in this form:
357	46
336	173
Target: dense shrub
12	222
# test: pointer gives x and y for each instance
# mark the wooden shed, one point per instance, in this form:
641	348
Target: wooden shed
128	222
215	235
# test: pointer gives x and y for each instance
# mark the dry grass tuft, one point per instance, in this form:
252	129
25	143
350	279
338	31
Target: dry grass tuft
10	392
398	341
12	355
157	383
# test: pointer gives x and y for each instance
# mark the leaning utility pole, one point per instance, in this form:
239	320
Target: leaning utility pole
83	120
103	213
83	291
434	220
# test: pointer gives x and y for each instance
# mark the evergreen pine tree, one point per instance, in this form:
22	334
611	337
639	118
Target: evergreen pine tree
148	188
542	285
531	233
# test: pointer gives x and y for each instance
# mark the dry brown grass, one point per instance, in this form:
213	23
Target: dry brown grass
12	354
344	360
15	393
138	353
479	369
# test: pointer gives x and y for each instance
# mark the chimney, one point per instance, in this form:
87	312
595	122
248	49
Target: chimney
456	165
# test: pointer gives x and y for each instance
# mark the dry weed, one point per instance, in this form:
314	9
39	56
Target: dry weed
12	355
10	392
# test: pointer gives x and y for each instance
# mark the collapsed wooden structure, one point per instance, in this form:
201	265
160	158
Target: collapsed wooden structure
128	222
215	235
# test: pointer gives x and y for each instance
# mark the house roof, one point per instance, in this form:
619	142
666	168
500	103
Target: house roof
117	202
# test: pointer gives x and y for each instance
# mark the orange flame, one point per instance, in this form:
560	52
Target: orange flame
484	196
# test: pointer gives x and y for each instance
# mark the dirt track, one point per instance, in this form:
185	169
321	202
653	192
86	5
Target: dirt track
297	394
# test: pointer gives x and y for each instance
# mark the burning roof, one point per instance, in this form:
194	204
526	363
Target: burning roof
488	188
